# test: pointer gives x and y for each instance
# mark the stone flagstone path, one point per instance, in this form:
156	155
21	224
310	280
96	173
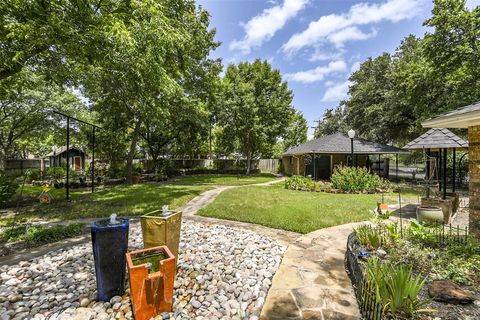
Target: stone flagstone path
311	282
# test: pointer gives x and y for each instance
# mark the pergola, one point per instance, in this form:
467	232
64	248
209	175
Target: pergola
436	143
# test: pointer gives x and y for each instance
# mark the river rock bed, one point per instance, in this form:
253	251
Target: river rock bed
223	273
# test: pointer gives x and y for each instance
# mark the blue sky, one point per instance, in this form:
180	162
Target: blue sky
314	43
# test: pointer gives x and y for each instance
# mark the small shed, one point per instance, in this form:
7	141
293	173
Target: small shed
319	157
58	157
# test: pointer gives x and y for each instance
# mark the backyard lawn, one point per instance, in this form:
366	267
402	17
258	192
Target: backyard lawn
125	200
280	208
223	180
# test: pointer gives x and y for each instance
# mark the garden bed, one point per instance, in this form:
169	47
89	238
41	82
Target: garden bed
417	251
25	236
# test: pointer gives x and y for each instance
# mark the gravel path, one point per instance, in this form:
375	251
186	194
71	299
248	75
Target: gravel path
223	273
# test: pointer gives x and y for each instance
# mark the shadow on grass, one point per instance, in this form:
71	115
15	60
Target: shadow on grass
123	200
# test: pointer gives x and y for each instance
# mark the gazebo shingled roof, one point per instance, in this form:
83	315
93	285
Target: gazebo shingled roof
437	138
340	144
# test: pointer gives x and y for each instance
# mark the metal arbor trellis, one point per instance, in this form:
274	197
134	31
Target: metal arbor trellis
92	167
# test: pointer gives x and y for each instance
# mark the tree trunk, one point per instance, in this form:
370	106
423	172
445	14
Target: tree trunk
248	163
131	153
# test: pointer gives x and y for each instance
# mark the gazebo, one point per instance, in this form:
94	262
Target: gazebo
319	157
466	117
436	143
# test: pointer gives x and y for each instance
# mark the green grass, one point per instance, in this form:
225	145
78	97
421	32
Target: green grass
223	180
30	191
125	200
299	211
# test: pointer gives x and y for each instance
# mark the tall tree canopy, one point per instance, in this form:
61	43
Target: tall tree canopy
143	65
392	94
26	118
256	109
333	121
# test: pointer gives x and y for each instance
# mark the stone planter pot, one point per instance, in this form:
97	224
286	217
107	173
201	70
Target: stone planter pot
430	214
158	230
151	273
110	243
447	205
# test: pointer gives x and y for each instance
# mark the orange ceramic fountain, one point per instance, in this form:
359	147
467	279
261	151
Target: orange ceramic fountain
151	274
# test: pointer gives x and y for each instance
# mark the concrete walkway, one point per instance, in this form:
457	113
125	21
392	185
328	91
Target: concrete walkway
311	282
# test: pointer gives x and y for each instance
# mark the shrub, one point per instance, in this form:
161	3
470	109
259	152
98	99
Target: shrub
299	183
371	237
56	173
33	174
421	234
396	289
8	188
42	234
355	179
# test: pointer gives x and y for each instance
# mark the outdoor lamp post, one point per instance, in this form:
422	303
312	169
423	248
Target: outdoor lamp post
351	135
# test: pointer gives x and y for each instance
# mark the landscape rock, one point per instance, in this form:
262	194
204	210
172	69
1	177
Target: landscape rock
221	272
381	253
449	292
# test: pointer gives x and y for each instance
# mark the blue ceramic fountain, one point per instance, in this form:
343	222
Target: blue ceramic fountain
110	244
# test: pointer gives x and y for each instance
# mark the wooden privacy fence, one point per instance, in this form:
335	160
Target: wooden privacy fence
269	165
15	167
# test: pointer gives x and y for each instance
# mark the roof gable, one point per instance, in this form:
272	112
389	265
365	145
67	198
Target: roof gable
62	149
437	138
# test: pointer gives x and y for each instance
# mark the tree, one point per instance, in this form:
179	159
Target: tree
296	131
256	109
365	111
333	121
156	66
26	104
55	37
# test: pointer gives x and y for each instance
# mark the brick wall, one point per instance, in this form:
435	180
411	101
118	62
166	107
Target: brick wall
474	172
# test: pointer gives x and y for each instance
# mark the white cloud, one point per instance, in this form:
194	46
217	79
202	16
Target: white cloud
263	27
340	28
318	73
336	92
322	55
349	34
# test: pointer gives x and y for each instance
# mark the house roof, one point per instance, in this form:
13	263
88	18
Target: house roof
62	149
437	138
340	144
459	118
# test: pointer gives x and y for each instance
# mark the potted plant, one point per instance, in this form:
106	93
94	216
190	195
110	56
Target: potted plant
151	273
162	227
136	175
